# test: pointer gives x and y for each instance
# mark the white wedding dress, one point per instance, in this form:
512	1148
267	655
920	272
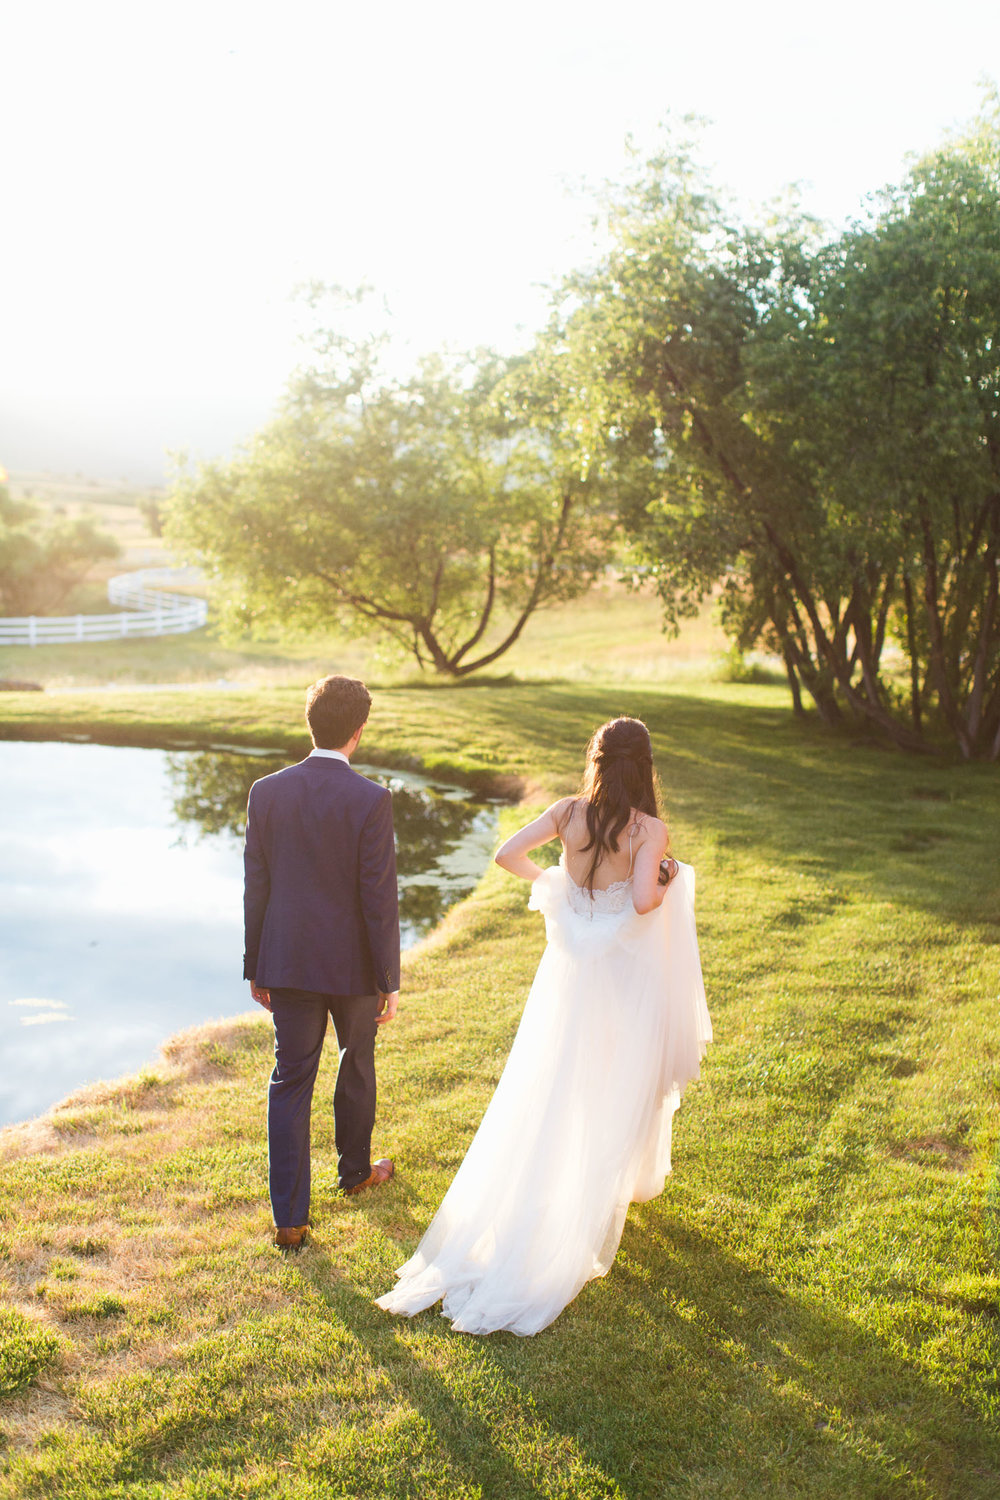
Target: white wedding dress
614	1027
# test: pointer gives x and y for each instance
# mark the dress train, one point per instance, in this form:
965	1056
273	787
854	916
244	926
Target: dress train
614	1027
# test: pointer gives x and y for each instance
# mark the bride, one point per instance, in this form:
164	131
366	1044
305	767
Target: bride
614	1027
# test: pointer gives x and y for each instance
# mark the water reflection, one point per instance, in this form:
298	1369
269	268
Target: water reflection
444	837
121	900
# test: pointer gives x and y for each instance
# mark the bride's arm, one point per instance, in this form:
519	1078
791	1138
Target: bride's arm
513	852
647	893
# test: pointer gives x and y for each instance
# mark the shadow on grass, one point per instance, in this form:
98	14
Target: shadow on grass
683	1373
465	1435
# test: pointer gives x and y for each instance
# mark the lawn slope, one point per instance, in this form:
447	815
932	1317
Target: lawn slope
811	1308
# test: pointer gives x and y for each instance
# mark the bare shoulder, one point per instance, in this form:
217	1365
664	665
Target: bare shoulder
562	810
651	830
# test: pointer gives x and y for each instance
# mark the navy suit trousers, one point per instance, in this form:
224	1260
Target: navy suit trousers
300	1019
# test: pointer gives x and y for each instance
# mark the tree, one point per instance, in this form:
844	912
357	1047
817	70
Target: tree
41	563
672	319
819	428
440	510
902	361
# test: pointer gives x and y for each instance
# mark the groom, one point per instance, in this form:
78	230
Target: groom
322	939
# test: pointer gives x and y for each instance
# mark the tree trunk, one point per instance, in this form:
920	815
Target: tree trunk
974	706
793	683
935	628
911	646
545	565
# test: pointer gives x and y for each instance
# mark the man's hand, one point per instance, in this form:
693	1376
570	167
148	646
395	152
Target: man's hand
262	997
386	1007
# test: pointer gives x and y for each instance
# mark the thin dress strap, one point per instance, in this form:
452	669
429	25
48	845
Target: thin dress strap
631	834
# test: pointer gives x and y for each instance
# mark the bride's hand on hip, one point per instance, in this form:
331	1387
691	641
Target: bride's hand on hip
513	852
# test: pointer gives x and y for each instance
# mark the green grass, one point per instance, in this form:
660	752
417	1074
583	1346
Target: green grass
26	1346
810	1309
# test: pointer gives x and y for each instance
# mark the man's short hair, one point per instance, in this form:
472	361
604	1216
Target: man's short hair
335	708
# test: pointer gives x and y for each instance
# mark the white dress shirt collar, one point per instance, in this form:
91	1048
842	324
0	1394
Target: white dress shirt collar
330	754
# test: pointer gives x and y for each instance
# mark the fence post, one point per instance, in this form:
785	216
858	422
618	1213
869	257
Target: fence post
32	631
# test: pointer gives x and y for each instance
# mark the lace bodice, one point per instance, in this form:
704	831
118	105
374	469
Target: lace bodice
607	903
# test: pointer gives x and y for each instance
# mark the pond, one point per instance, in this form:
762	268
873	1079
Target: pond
121	881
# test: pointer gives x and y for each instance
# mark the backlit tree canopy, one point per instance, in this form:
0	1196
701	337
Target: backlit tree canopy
440	510
820	426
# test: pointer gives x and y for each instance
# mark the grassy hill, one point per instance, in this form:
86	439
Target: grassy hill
811	1308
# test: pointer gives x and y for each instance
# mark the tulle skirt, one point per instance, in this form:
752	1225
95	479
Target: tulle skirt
614	1027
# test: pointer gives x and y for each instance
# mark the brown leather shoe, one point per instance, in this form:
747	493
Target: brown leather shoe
292	1238
381	1171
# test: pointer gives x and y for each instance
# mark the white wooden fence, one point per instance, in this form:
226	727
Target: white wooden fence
146	610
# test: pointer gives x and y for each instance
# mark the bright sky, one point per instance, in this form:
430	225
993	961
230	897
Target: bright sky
171	171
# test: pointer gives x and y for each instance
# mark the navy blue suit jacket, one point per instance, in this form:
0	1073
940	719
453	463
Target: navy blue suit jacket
321	903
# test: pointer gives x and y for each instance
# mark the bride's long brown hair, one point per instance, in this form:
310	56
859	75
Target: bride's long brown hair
617	777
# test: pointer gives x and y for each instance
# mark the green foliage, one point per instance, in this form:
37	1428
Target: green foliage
820	427
40	563
904	356
424	509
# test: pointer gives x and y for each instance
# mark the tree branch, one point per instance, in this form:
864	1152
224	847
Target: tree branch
543	573
487	610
